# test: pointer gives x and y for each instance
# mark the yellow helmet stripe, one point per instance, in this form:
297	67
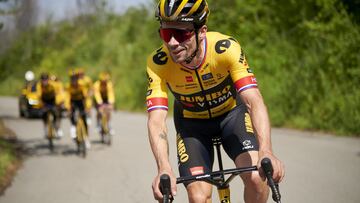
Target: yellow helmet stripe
194	8
178	10
162	10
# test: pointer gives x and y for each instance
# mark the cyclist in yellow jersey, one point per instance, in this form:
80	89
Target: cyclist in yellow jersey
88	83
77	93
62	102
104	96
216	94
52	97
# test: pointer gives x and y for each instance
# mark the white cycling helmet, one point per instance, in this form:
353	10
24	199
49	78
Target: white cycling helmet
29	75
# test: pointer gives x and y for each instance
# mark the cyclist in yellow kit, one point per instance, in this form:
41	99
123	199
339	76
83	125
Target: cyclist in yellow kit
104	96
77	93
216	94
52	96
87	82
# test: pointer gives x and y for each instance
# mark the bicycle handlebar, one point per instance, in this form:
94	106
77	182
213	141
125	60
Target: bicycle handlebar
268	170
216	173
165	188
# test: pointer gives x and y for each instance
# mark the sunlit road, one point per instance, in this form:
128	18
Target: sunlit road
319	168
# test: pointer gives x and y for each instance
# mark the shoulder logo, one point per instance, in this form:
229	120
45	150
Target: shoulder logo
222	45
150	80
242	56
148	93
160	57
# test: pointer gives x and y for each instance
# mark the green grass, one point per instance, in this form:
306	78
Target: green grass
8	156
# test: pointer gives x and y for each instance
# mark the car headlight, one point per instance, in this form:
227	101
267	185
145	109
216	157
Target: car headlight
33	102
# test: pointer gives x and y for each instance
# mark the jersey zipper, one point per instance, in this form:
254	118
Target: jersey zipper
203	93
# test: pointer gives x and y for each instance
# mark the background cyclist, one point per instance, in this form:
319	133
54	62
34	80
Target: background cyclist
77	93
104	97
215	94
52	97
88	84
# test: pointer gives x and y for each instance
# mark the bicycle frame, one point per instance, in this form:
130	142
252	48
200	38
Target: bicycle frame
50	124
104	121
81	133
50	129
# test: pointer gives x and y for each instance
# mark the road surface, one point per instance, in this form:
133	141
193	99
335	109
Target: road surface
319	168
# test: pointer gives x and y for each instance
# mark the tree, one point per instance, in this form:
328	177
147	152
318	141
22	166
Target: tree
16	16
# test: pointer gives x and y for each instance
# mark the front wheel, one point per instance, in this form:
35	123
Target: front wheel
50	130
51	144
107	139
81	136
105	131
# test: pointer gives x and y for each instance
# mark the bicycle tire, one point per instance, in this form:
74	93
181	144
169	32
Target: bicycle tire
81	137
105	132
50	130
102	132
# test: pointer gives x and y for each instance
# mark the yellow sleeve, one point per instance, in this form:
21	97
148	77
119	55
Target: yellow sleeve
156	96
110	92
67	102
38	90
59	92
234	58
97	94
89	82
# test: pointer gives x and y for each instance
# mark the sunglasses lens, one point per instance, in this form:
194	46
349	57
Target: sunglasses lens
165	35
180	35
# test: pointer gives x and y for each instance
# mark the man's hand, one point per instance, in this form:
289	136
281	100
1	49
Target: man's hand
156	185
278	166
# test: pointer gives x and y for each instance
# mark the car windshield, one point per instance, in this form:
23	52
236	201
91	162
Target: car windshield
33	87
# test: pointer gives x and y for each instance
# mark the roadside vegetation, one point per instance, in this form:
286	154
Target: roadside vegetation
9	156
305	55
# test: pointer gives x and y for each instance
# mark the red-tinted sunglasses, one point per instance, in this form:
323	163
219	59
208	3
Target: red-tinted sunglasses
180	35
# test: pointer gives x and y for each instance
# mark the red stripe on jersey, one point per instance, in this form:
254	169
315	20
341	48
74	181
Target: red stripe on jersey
245	83
157	103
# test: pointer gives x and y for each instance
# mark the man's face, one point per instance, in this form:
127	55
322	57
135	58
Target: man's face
181	39
103	83
74	81
44	82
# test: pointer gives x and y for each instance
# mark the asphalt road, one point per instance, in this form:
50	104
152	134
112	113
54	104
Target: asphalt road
319	167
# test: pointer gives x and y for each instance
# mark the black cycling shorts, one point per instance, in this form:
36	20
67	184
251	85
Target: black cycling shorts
194	140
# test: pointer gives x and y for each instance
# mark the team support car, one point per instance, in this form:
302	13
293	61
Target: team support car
30	105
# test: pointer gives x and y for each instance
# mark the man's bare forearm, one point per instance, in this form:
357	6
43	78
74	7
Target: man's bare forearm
261	126
159	141
259	117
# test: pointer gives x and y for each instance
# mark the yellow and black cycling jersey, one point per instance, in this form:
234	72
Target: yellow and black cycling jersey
77	92
208	91
86	82
52	92
104	92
